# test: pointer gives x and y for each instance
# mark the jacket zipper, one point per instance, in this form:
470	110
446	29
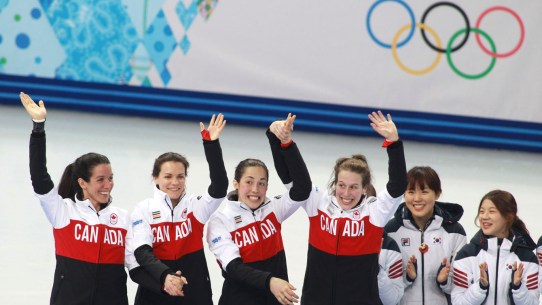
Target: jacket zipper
423	273
334	282
499	242
100	241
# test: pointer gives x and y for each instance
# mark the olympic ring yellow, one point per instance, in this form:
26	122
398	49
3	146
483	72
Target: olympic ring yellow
396	56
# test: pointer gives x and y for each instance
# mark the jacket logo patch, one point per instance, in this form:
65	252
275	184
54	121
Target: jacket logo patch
139	221
356	215
215	240
199	197
155	214
237	219
509	267
113	219
184	213
278	196
437	240
405	242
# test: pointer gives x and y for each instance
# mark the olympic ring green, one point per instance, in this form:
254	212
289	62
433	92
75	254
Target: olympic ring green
449	54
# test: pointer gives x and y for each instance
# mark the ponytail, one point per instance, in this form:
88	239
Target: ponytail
67	188
519	225
82	167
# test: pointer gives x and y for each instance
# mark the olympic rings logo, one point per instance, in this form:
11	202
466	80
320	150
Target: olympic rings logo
395	44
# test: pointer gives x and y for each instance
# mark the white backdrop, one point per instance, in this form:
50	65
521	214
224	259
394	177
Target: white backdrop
321	51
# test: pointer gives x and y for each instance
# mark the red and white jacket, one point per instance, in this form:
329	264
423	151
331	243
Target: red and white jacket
248	243
163	239
342	263
89	244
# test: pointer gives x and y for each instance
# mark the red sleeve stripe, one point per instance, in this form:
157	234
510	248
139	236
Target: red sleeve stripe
460	282
396	274
398	265
532	281
459	272
461	277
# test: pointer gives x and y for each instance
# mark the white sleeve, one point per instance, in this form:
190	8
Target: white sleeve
528	293
204	206
220	241
55	208
129	257
382	208
390	277
459	241
284	206
464	292
141	229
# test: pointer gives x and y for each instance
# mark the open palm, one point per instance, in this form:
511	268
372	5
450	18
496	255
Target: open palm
36	112
216	125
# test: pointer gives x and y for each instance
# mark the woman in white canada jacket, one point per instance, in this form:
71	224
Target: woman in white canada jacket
498	266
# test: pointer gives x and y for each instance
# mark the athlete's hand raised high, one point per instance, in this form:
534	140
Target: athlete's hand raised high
36	112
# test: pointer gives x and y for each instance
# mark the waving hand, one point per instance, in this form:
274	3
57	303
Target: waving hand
216	125
36	112
384	126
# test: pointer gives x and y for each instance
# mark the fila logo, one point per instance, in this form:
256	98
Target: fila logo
405	242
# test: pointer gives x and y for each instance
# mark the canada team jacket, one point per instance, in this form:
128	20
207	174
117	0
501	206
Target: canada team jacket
248	243
443	237
500	255
176	238
342	263
390	276
89	245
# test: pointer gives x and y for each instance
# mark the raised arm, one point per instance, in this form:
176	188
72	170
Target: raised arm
213	153
41	181
397	172
289	163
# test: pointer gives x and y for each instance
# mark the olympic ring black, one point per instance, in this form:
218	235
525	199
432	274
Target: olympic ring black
461	11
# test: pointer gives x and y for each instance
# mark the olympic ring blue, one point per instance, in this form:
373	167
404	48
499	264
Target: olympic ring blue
412	20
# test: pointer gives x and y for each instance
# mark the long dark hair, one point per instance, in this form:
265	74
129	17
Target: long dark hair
507	206
81	168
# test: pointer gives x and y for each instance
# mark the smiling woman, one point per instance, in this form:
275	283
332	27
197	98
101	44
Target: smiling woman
89	232
430	237
502	241
164	248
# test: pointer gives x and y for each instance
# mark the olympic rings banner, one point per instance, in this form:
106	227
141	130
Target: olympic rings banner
469	67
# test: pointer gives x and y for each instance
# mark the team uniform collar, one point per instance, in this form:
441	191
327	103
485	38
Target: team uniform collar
516	239
161	196
336	207
233	199
87	203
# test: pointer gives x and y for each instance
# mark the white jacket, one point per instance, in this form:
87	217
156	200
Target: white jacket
500	259
444	237
390	276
